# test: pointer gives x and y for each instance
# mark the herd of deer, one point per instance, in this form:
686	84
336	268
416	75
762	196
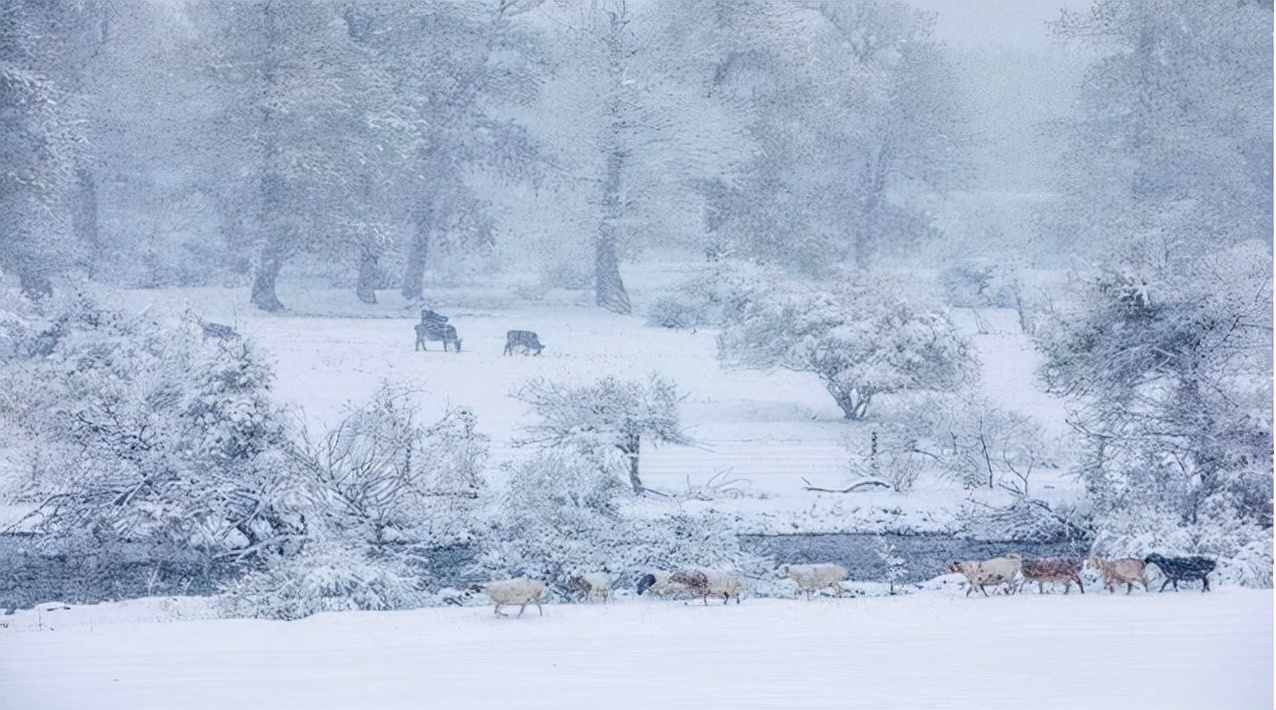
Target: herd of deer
433	327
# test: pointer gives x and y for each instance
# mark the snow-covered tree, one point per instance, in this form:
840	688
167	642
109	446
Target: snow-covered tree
285	73
438	77
135	432
381	477
635	128
861	339
40	141
857	127
1171	370
610	413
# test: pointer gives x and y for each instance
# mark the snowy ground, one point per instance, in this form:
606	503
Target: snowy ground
762	434
930	649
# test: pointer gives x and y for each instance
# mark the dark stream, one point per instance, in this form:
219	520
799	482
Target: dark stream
925	556
28	577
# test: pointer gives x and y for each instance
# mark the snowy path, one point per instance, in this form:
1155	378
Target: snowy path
926	650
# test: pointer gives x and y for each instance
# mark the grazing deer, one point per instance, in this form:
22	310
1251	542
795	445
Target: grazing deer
525	339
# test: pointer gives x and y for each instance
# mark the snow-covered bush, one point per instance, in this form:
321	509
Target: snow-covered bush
980	444
327	575
132	430
895	565
862	338
377	491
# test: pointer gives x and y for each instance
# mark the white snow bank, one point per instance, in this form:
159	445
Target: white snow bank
924	650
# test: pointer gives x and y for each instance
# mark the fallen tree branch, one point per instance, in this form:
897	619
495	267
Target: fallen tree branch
853	487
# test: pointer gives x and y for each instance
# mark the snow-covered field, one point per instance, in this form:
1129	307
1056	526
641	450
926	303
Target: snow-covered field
765	430
928	650
763	434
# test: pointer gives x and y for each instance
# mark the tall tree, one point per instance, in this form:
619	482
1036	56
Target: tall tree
1172	375
439	73
632	127
1173	143
280	71
858	125
41	57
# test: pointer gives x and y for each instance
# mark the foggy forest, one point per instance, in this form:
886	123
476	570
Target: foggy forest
725	287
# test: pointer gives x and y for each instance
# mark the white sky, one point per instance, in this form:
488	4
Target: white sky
1014	23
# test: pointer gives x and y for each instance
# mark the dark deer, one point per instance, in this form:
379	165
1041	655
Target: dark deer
433	326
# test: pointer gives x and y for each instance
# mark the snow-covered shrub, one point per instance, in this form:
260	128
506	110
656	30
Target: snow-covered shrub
975	442
382	478
895	565
862	338
563	511
713	298
890	454
327	575
979	283
1026	519
132	430
903	470
1243	550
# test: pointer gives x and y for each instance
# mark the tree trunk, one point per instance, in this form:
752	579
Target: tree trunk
418	250
851	402
609	290
630	447
263	293
84	217
273	233
366	288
